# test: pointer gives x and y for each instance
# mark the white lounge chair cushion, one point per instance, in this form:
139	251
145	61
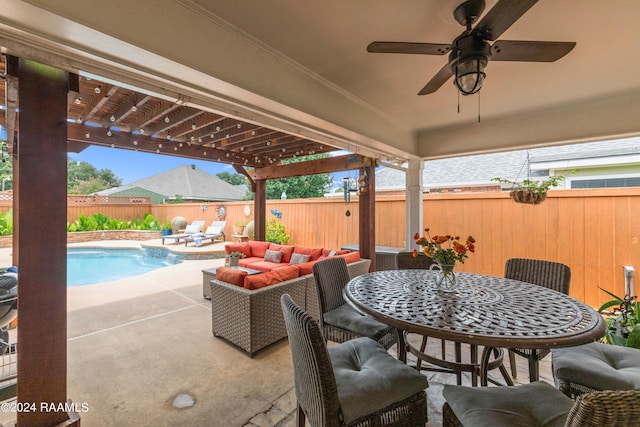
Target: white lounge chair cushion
214	230
193	229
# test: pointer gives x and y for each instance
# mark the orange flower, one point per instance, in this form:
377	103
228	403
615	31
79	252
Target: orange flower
415	252
440	239
471	247
459	249
416	236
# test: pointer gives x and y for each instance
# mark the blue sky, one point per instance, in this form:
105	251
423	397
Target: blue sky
131	166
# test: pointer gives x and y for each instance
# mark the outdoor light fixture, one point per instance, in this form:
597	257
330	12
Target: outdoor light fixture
468	60
470	75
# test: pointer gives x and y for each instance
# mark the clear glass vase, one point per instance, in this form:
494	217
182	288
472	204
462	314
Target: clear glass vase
445	277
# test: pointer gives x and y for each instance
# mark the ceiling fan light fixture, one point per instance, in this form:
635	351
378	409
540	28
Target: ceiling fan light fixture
469	75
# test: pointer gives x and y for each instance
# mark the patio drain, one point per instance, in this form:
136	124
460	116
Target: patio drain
183	401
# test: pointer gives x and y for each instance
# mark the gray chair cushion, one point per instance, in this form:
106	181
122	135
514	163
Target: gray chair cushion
369	379
598	366
346	317
534	404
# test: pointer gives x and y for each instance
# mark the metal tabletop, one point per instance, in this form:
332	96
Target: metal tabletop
483	310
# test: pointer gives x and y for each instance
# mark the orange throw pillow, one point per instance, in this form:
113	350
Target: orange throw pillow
278	275
231	275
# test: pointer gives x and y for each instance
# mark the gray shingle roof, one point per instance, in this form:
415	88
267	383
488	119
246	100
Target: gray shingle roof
188	182
480	169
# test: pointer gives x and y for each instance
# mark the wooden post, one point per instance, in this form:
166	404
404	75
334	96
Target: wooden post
367	223
260	209
42	290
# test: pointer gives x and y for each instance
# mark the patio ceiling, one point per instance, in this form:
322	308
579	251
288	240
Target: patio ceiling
302	70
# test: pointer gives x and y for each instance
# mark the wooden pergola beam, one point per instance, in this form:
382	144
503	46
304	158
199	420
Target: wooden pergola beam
313	167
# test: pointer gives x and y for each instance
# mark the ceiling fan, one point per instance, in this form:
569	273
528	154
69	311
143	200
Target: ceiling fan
470	52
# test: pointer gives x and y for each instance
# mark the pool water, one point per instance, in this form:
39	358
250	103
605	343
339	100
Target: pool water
87	266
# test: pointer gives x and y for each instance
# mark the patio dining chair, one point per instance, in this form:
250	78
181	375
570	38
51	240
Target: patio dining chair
537	404
549	274
594	367
340	322
354	383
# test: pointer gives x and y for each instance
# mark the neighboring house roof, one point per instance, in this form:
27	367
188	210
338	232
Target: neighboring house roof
480	169
187	181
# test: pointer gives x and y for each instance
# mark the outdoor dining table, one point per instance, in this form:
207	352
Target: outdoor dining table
480	310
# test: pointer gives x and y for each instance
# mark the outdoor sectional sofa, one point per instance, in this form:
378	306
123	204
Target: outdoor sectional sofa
245	309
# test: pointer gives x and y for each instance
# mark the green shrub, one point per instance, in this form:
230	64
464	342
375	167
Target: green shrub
275	232
6	223
100	221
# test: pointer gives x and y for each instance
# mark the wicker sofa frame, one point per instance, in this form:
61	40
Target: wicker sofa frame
252	319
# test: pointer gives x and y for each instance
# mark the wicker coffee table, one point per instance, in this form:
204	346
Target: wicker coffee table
483	310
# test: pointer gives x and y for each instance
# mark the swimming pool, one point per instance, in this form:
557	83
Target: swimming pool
86	266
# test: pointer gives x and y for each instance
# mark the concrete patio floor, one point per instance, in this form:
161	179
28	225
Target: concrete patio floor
135	344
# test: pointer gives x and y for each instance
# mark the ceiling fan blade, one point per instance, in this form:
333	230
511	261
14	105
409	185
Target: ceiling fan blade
501	17
530	51
407	47
437	81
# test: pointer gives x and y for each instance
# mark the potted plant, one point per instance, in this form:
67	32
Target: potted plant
623	320
238	227
530	191
234	258
166	229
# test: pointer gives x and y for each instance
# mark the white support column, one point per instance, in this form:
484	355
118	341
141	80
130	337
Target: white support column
413	207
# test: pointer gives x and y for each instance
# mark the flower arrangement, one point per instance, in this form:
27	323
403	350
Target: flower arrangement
444	255
236	254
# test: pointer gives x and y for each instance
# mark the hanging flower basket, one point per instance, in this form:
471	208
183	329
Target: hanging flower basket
527	196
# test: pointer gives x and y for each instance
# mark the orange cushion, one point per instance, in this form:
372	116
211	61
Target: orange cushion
266	265
314	253
306	268
343	251
258	248
351	257
286	251
231	275
245	262
238	247
258	281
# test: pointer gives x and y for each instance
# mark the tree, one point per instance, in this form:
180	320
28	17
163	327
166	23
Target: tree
84	178
233	178
300	187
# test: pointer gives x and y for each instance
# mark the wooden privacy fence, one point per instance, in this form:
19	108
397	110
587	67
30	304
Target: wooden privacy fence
116	207
595	232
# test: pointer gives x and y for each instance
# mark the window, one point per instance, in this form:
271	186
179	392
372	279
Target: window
606	182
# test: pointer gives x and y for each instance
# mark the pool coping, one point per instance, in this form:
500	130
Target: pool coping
209	251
